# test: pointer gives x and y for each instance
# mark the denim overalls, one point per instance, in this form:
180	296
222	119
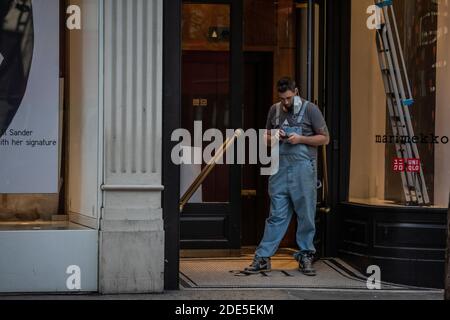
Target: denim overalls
292	188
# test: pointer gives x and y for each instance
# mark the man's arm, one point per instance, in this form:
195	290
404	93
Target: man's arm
319	127
314	141
268	138
272	139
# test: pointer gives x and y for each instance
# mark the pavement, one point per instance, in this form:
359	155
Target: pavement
260	294
212	279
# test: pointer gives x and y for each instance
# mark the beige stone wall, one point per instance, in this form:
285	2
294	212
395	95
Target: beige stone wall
368	107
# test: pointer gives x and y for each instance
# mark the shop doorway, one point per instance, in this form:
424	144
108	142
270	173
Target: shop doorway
225	208
258	79
258	97
232	54
363	234
211	99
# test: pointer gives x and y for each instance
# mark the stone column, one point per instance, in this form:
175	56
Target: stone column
131	225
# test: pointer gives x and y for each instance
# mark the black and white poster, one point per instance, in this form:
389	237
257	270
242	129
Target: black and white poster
29	96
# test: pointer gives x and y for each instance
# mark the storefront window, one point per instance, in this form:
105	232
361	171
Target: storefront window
400	140
25	135
36	190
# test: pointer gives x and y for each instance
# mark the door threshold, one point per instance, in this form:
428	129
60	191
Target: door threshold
210	253
226	253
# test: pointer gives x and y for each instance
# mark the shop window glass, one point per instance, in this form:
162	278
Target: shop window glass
376	168
16	50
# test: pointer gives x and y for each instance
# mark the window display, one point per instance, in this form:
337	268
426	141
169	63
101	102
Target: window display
400	105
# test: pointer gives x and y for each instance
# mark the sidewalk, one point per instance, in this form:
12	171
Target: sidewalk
206	279
263	294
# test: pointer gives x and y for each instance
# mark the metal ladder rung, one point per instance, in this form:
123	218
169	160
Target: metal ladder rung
394	78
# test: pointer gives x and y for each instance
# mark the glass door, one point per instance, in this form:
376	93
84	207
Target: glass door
210	100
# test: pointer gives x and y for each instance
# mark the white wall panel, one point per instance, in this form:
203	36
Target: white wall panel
84	115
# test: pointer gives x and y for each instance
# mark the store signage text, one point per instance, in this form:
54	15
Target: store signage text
15	138
420	139
408	165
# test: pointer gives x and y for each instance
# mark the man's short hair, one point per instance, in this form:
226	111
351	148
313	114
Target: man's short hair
285	84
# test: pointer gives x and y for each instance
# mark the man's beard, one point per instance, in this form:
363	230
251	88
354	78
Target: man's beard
289	107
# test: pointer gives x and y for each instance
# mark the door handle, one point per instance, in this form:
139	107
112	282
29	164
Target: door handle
325	208
248	193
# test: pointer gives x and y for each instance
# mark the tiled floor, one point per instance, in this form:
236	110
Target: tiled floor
224	273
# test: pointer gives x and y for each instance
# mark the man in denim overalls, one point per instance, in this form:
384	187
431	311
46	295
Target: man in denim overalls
300	130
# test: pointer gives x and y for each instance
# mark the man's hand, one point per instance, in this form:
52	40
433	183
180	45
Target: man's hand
313	141
295	139
271	140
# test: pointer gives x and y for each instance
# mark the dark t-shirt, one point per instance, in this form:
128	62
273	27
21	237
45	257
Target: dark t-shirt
313	122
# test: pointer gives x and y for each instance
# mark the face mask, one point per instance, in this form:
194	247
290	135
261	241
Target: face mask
297	102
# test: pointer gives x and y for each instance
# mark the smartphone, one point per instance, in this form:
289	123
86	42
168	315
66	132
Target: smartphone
289	131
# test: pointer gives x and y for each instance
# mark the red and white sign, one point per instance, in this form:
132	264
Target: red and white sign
412	165
398	165
408	165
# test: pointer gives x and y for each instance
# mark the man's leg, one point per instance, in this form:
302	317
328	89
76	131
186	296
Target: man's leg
276	226
277	223
280	215
303	191
304	197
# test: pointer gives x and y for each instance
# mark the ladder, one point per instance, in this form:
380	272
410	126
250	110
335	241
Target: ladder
399	100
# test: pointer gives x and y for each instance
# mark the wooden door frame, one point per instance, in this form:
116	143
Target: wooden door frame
172	53
230	211
336	97
171	122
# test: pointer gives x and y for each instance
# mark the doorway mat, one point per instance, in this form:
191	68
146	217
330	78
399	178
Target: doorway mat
225	273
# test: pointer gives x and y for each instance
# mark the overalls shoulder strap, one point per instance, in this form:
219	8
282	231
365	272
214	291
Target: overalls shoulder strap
299	118
302	111
277	115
